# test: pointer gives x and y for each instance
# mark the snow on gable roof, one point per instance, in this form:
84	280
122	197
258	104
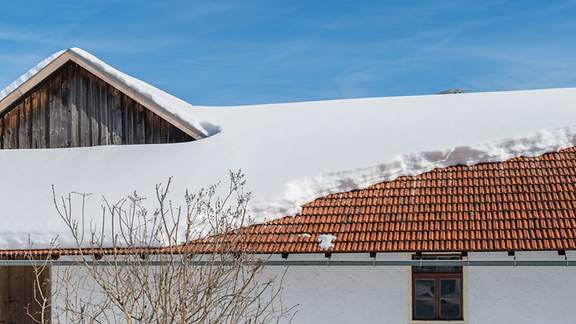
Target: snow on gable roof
174	110
291	153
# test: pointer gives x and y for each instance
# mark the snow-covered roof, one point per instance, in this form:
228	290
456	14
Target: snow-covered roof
291	153
174	110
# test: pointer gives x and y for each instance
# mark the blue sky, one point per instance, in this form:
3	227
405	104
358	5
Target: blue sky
246	52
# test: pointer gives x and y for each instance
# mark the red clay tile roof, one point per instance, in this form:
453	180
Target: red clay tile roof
520	204
57	252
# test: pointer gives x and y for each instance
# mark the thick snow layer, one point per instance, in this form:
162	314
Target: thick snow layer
291	153
177	109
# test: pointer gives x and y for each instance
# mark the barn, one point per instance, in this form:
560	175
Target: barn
454	208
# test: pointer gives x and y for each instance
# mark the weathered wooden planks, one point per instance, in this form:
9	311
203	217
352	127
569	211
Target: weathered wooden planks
18	292
57	96
116	122
37	139
73	108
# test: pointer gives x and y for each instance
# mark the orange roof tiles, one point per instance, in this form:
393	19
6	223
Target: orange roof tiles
520	204
57	252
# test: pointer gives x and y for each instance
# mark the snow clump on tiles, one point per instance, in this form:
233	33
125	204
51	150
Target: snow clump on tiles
325	241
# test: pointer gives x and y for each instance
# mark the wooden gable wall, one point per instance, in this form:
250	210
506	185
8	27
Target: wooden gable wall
74	108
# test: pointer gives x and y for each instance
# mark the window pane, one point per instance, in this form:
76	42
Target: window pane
450	288
424	288
450	308
424	309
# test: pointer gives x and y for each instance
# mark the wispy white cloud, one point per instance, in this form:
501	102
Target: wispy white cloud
108	44
16	58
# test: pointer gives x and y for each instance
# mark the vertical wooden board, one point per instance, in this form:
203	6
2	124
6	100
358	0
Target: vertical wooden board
136	122
30	115
52	112
89	105
111	107
72	125
45	109
148	129
83	113
104	122
131	121
92	107
100	106
96	113
156	123
13	128
35	120
58	112
171	133
22	135
64	117
108	110
75	87
98	109
169	129
134	109
140	124
6	131
16	115
65	113
53	93
26	141
129	130
109	113
124	118
117	118
66	102
163	131
19	110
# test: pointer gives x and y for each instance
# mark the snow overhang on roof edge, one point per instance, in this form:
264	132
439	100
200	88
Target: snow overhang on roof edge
170	108
304	190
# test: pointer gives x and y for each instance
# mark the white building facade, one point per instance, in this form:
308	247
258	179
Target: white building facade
383	294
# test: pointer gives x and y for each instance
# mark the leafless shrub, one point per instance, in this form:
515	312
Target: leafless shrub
126	273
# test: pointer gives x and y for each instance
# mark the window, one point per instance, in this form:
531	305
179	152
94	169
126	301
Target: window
437	290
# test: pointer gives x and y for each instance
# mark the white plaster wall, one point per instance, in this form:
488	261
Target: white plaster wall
521	294
346	294
493	295
382	294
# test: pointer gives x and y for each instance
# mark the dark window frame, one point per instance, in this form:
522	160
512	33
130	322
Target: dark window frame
437	276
